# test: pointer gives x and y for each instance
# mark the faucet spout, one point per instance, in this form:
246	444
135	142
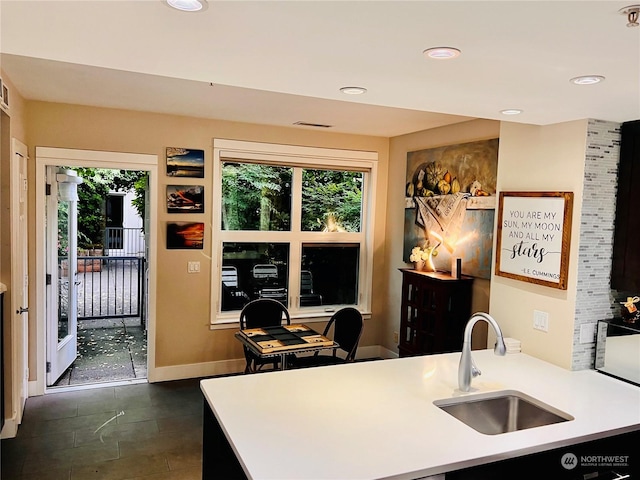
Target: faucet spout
467	369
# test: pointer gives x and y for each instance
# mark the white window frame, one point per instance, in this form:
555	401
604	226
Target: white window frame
294	156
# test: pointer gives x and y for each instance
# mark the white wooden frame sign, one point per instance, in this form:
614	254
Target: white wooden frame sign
533	238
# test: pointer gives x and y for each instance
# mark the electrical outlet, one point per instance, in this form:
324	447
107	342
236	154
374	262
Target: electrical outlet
193	267
540	321
396	338
587	333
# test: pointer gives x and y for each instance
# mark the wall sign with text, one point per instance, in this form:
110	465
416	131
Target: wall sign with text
534	234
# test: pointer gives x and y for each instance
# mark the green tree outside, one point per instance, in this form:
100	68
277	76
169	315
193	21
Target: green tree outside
258	197
97	183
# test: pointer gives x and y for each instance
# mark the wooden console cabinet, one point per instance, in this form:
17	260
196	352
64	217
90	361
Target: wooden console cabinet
435	310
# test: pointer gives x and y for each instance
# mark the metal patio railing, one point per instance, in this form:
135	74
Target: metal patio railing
108	287
124	242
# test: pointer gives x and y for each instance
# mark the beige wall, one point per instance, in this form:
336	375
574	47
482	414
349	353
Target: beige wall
399	146
13	126
17	110
531	158
182	311
541	158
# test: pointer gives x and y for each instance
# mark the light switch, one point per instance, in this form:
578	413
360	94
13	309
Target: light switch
541	320
193	267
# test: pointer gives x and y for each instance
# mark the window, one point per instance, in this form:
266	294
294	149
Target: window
255	197
293	224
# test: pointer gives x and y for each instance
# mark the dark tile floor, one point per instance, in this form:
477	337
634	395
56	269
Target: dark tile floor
143	431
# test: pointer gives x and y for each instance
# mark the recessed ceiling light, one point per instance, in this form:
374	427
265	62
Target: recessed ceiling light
442	53
511	111
632	12
587	79
188	5
353	90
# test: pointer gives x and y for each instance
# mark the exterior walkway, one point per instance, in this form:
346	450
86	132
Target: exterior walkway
108	350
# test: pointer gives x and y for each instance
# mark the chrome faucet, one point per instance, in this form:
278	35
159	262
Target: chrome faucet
467	369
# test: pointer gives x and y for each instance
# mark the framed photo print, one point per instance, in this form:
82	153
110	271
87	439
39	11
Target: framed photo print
185	235
534	235
185	199
185	162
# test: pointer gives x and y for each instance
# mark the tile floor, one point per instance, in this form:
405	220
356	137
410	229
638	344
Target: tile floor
142	431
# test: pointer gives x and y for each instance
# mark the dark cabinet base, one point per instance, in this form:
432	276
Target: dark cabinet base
218	458
605	459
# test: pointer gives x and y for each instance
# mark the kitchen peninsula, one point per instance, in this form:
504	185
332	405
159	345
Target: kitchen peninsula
377	420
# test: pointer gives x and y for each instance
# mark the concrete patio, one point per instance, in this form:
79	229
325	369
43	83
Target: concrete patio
109	350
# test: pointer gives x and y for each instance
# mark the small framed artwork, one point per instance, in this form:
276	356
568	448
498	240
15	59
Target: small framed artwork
185	235
185	199
185	162
1	87
534	235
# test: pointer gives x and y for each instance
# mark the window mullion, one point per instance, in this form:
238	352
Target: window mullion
296	200
295	246
295	261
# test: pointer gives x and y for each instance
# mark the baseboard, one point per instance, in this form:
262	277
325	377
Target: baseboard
35	388
375	351
227	367
10	429
196	370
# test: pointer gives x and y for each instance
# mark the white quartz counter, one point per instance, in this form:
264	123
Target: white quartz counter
377	419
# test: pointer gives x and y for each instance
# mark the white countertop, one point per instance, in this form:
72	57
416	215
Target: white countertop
377	419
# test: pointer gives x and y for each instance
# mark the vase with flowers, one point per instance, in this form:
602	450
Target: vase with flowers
422	257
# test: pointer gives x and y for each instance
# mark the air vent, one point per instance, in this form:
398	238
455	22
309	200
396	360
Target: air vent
314	125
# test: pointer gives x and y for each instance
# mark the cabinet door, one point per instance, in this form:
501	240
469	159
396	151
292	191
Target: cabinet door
625	273
435	308
410	340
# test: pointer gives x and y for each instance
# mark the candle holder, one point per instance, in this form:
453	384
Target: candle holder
629	311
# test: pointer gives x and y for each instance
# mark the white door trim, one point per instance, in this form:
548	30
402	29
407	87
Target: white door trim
99	159
19	282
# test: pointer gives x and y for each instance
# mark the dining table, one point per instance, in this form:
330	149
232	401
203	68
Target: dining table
283	340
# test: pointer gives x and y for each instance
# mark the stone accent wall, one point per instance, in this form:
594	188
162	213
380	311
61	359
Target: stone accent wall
594	298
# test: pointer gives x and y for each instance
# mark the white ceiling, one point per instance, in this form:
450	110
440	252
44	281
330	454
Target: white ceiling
279	62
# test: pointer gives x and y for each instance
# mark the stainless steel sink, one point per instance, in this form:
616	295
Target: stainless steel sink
500	412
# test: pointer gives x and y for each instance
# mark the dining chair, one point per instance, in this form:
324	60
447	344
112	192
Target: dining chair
262	312
347	324
308	298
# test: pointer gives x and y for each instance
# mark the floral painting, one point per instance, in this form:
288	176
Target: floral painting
450	199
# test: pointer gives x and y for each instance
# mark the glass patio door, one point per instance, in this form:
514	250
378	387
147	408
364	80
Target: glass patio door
62	266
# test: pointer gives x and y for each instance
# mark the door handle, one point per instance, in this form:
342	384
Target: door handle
22	310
